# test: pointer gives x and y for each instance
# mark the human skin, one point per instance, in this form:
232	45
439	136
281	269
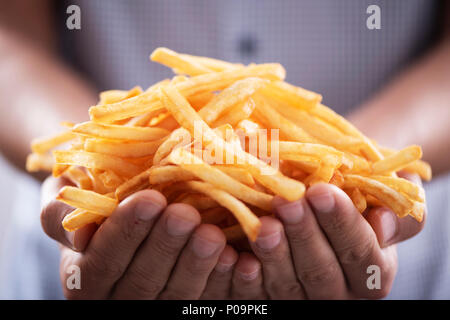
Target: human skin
319	248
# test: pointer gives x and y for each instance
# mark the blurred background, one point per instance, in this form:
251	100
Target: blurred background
392	82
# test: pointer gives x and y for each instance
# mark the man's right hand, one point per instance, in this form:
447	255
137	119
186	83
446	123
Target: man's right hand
144	250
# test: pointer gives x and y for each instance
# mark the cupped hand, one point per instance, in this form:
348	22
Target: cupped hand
321	248
145	250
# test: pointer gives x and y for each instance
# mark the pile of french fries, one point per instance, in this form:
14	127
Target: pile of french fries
224	138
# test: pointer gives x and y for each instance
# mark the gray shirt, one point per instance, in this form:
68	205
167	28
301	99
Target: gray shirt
324	45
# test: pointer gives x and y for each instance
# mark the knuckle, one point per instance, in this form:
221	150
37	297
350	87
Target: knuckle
48	217
165	247
179	294
359	252
128	230
199	267
140	282
301	235
291	290
320	274
335	222
271	257
102	265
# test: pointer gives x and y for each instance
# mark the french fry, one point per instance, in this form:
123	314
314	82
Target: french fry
112	96
59	169
209	137
323	173
247	219
164	174
397	161
372	201
292	95
239	112
181	110
111	131
87	200
323	112
145	119
321	130
178	138
408	188
159	120
420	167
358	200
213	64
110	179
182	64
358	164
43	145
97	182
238	92
137	183
116	148
337	179
39	162
96	161
79	218
249	127
148	101
217	178
393	199
198	101
79	177
237	173
266	115
291	150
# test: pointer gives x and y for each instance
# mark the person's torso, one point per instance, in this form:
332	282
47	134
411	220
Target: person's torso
324	45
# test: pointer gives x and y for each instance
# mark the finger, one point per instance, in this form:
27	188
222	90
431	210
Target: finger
150	269
115	242
352	239
272	250
80	238
247	281
53	212
391	229
315	263
195	264
388	227
219	281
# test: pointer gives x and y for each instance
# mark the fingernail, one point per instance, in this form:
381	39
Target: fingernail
178	226
70	236
204	248
81	237
249	276
322	202
79	242
388	226
269	242
147	210
291	212
223	267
